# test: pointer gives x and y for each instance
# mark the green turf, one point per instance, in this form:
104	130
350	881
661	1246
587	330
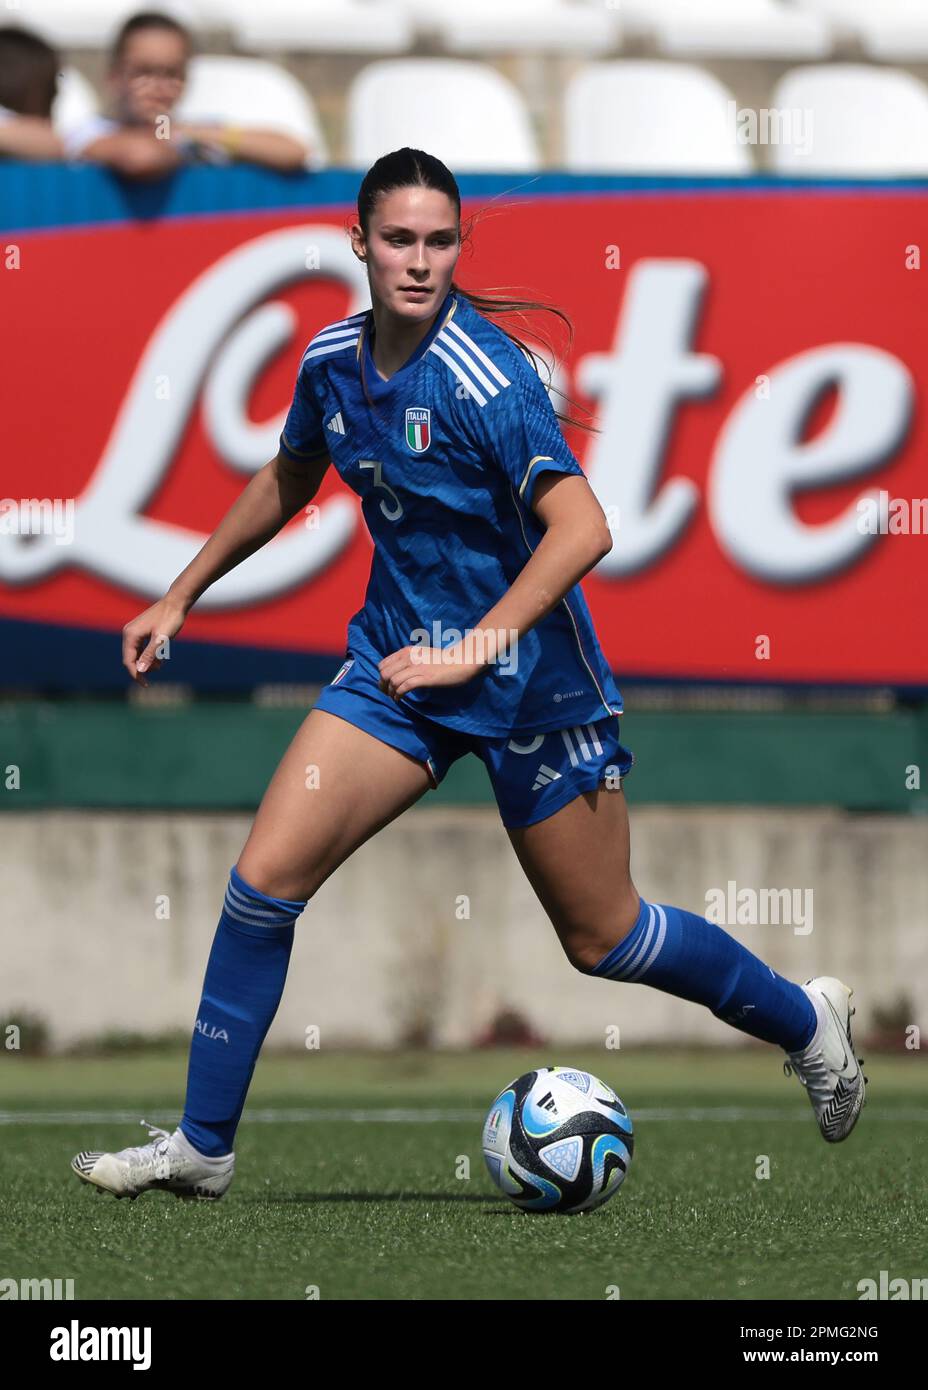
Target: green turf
376	1210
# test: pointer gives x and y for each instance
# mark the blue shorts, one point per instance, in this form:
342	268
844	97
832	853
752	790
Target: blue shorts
532	774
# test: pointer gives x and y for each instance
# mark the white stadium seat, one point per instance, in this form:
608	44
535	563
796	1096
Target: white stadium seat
322	26
727	28
894	29
75	101
517	26
72	23
90	23
644	117
864	121
465	113
208	14
251	91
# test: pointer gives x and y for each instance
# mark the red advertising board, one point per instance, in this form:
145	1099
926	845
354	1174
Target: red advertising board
756	362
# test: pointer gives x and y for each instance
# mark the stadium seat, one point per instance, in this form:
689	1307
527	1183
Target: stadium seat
487	26
865	121
465	113
328	26
644	117
75	101
203	14
251	91
728	28
894	29
74	23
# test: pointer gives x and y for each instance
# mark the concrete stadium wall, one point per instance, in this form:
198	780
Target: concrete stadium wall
381	951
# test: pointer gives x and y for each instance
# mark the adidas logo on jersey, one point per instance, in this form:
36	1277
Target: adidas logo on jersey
467	361
543	776
336	424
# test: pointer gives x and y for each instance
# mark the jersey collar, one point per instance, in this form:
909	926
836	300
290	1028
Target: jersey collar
375	382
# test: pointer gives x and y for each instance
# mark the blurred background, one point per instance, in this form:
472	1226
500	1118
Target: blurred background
728	198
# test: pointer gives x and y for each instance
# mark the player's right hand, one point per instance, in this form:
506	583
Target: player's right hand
143	639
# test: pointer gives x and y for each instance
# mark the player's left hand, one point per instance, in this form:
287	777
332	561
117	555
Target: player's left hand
410	667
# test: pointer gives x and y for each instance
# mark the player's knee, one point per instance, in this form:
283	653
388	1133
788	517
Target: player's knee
583	958
586	944
583	948
276	880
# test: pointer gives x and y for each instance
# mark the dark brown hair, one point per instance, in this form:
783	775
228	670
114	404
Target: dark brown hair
408	168
28	72
147	19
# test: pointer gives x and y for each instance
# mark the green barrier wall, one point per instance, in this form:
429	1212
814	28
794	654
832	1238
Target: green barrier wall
219	755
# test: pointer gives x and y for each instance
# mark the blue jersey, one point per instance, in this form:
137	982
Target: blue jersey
445	456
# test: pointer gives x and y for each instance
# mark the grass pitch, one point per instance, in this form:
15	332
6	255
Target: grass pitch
352	1180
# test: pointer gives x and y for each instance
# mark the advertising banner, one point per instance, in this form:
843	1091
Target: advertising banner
754	359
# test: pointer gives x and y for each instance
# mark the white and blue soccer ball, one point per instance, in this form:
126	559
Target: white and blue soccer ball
558	1139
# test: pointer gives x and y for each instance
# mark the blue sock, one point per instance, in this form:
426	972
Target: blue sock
243	986
682	954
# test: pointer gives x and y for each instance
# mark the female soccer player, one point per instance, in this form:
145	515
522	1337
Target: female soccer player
474	636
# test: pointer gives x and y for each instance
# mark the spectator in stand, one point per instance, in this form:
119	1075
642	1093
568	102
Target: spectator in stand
148	70
28	81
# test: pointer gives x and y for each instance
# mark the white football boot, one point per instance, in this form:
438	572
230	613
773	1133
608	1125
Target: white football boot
828	1067
169	1163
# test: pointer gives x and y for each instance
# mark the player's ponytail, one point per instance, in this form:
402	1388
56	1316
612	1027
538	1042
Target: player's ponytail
407	168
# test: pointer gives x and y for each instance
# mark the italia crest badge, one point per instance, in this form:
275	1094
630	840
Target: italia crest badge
418	428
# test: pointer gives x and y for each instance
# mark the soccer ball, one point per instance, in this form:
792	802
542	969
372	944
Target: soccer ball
558	1139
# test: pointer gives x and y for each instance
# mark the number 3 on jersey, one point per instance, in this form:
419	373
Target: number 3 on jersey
392	514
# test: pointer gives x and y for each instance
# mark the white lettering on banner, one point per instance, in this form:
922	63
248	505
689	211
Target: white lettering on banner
639	384
219	336
111	538
760	460
751	507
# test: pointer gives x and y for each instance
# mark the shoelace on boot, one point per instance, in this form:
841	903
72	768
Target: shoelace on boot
154	1153
816	1065
813	1074
789	1068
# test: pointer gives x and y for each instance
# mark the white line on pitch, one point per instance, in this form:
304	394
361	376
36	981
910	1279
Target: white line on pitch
709	1113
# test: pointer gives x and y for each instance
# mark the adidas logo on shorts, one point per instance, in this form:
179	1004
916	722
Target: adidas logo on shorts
583	746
